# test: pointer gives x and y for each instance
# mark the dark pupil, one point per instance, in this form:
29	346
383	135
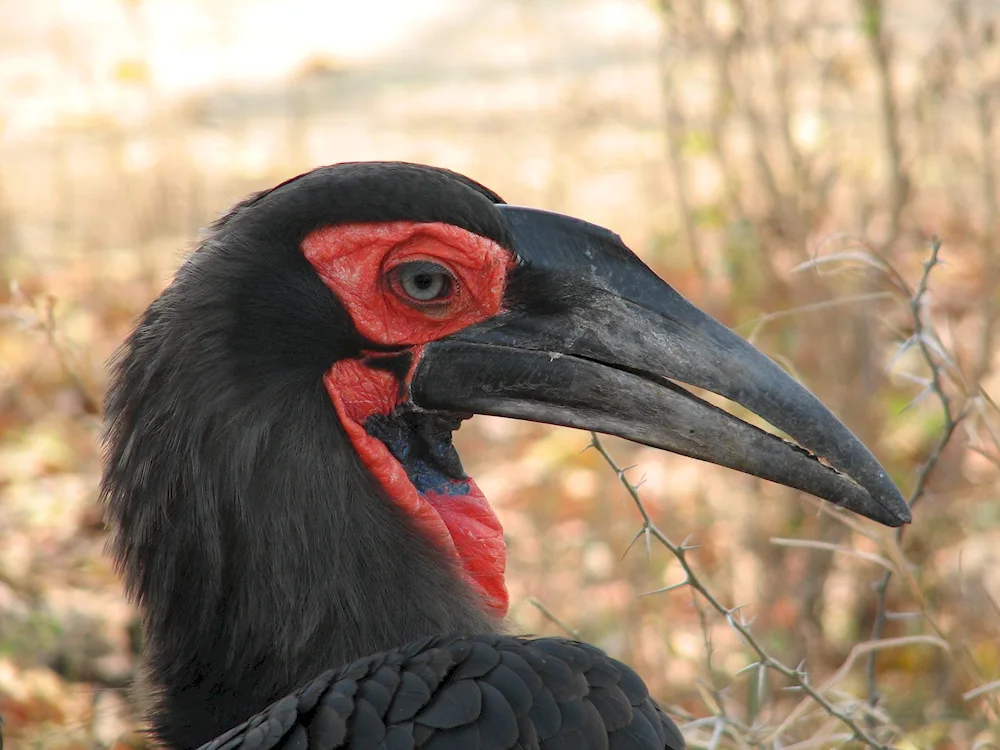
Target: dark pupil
423	280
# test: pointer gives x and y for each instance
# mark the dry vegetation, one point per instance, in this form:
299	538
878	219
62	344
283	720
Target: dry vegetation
786	165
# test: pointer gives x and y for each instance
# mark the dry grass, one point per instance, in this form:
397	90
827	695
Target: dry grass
786	165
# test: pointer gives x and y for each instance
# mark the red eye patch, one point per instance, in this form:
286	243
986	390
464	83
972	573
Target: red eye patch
354	260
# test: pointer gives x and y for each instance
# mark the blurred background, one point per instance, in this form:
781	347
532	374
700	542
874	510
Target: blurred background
783	163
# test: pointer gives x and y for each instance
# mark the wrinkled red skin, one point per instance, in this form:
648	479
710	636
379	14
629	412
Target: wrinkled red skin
353	260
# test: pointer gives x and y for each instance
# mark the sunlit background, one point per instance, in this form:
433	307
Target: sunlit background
783	163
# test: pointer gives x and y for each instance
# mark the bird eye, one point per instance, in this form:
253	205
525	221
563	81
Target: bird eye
423	281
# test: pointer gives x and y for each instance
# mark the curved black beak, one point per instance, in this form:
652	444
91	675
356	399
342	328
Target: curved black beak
591	338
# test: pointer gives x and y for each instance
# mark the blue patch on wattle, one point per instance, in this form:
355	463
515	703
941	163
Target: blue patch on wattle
425	473
427	478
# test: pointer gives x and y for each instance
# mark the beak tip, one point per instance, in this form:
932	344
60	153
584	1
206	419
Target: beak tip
895	505
878	500
893	517
891	511
894	521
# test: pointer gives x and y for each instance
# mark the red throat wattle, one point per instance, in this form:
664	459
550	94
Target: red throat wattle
355	261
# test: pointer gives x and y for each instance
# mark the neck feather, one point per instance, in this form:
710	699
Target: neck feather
258	547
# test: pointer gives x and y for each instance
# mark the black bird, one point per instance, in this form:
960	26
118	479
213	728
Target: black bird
284	496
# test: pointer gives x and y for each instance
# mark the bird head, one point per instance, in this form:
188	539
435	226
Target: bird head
420	298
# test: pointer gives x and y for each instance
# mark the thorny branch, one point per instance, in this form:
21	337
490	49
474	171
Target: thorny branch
932	354
797	675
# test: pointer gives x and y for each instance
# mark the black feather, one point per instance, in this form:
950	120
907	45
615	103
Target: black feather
465	712
376	695
457	703
399	737
545	714
497	724
479	661
413	694
389	678
327	728
613	706
637	733
520	667
514	689
367	729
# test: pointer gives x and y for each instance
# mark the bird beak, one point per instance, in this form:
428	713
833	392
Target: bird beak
590	337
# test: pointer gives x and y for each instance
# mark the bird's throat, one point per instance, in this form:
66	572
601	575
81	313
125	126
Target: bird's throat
412	457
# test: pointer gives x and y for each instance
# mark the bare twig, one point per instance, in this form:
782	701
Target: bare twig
989	687
916	307
44	319
814	307
571	631
796	675
673	130
940	365
868	647
873	22
816	544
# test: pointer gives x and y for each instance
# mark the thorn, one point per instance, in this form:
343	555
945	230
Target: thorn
914	378
621	471
747	668
919	397
665	589
934	346
904	347
733	622
684	546
635	538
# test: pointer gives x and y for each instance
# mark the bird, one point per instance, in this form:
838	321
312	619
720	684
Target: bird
313	566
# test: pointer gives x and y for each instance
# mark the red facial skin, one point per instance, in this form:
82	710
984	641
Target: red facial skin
354	261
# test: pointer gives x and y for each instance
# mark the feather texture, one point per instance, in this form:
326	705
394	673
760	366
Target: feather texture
488	692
